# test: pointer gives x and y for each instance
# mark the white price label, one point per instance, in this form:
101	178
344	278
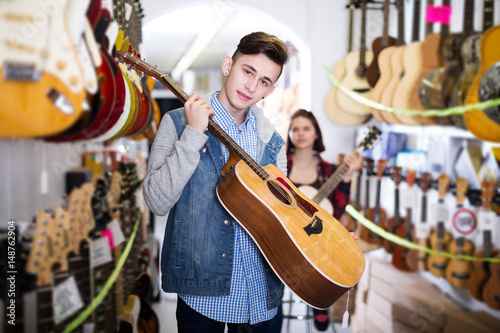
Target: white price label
440	212
422	230
66	300
486	220
100	252
409	198
116	232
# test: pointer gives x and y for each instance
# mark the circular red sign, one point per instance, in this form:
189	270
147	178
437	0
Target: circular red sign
464	221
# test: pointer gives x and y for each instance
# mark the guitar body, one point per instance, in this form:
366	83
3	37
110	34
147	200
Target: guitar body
481	275
412	62
333	109
437	264
310	192
384	65
390	226
373	72
355	80
397	72
41	78
131	311
300	240
471	61
400	253
377	218
430	61
491	291
459	271
484	125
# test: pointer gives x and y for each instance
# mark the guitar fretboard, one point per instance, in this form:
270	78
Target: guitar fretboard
331	183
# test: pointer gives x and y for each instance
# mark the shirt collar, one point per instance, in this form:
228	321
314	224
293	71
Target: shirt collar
222	115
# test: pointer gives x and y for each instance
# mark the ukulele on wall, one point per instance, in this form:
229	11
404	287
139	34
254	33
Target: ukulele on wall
459	271
376	214
422	228
486	217
403	258
373	72
355	76
393	223
332	108
440	238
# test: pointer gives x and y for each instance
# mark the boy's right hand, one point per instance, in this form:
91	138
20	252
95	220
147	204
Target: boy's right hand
197	112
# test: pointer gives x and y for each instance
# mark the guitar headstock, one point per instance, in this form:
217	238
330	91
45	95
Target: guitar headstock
396	175
369	165
487	193
425	181
370	138
381	164
443	182
341	158
410	177
461	187
64	241
41	256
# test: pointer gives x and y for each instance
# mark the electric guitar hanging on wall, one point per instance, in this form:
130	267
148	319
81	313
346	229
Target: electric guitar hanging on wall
393	223
376	214
310	241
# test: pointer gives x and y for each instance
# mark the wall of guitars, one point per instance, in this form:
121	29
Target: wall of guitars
75	130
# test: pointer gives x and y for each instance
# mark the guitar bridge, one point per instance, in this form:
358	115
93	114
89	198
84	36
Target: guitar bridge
315	227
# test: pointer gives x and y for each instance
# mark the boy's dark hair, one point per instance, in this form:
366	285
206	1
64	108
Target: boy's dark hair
263	43
319	147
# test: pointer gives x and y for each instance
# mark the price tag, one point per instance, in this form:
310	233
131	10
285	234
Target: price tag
100	252
66	300
486	220
422	230
408	199
440	212
116	232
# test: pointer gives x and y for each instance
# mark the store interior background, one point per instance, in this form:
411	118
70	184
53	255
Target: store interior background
32	171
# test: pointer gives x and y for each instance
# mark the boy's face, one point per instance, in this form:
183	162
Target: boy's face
250	78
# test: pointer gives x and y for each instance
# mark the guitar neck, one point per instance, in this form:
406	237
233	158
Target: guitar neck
401	23
429	26
408	223
362	47
487	245
377	197
218	131
416	21
396	205
367	195
488	14
351	28
423	218
385	33
358	191
468	17
331	183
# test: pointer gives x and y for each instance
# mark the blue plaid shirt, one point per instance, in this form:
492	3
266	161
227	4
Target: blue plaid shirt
247	300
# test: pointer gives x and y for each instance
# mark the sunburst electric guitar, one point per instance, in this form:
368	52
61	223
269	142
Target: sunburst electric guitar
312	253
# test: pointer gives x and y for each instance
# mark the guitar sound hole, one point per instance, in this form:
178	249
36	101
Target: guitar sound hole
489	88
279	192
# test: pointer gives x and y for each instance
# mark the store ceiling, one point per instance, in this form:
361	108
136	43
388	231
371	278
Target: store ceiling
167	36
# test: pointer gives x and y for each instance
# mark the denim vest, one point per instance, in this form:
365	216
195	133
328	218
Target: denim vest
197	252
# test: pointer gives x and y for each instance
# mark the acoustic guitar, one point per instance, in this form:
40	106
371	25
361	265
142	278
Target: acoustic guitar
296	236
391	65
320	196
471	61
422	229
459	271
491	291
485	124
429	57
394	221
437	85
440	238
41	79
376	214
412	66
355	75
403	258
486	217
346	219
373	72
332	108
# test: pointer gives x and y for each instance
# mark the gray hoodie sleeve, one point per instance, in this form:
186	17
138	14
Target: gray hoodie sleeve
172	162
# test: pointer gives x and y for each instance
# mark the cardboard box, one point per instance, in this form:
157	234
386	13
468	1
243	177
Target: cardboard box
472	321
385	324
427	301
396	312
